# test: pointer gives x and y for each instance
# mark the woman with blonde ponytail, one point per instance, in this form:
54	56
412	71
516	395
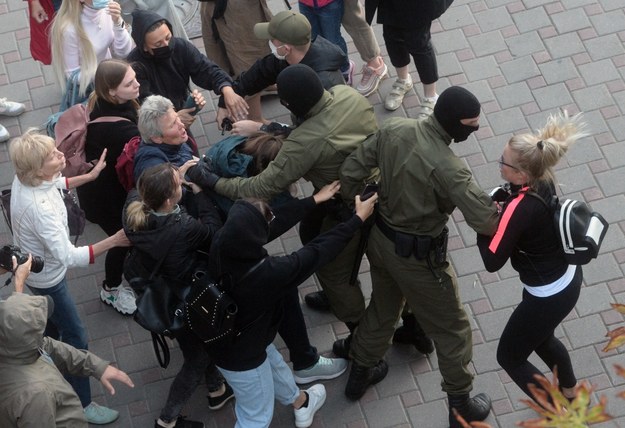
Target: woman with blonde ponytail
160	229
527	237
84	33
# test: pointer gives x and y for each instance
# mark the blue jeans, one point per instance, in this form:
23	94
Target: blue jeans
256	390
65	325
326	22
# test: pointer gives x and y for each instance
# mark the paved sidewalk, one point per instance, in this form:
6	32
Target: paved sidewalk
523	59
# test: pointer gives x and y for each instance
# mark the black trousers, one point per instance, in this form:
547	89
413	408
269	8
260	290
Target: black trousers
114	259
531	329
401	43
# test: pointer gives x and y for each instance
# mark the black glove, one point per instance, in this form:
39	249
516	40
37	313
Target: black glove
500	193
202	175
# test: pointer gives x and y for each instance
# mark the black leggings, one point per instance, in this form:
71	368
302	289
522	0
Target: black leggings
531	328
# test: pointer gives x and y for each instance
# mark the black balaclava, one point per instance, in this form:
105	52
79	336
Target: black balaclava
453	104
299	89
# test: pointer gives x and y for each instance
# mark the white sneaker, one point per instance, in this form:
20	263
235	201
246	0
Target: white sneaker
394	99
4	134
326	368
122	298
316	397
10	108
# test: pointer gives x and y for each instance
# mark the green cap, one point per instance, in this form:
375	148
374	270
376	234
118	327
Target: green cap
287	26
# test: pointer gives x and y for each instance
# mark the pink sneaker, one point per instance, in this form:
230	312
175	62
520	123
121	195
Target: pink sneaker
371	78
349	74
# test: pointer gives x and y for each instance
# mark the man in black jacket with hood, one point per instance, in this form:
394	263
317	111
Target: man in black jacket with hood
165	64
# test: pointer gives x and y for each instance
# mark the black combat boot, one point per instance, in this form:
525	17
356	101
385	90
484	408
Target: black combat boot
471	409
318	300
340	348
411	333
360	378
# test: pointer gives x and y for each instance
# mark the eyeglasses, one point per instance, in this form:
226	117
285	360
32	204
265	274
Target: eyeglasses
502	163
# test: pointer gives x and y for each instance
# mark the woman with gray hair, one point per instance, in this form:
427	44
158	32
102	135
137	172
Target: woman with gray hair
39	223
164	137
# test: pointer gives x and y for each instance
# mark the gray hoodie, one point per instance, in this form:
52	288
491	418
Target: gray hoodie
33	392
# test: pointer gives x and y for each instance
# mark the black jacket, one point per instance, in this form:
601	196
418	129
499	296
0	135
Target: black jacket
174	237
103	199
238	246
324	57
170	77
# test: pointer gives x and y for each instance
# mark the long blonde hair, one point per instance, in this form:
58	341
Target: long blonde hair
538	153
69	15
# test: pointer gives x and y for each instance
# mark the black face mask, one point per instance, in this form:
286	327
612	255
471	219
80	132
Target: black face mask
462	132
164	52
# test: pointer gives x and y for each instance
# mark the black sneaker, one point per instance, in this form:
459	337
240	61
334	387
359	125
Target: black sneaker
216	403
360	378
317	300
183	422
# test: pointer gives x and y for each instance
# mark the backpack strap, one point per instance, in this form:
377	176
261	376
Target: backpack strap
106	119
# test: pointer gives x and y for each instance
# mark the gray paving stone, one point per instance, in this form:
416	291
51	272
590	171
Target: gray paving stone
509	120
485	357
552	96
598	72
432	415
571	4
611	181
525	44
592	98
519	69
575	179
448	64
13	21
559	70
609	22
386	412
584	151
487	43
594	299
504	293
617	125
609	362
513	95
565	45
469	290
584	331
493	19
531	19
615	154
430	385
570	20
457	17
449	41
7	43
586	362
466	261
604	47
492	323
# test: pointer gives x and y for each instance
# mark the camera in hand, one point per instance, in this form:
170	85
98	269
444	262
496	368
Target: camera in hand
8	251
226	125
500	193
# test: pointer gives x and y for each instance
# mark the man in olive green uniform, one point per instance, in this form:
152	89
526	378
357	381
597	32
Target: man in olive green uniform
422	181
330	125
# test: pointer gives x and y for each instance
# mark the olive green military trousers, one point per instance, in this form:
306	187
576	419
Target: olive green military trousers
436	305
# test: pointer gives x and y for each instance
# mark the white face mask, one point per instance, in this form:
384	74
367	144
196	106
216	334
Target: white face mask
274	50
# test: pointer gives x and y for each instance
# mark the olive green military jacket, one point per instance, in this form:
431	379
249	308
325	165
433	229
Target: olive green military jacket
338	123
422	180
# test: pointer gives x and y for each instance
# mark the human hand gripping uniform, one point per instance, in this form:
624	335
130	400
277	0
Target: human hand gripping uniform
331	124
527	237
422	181
250	361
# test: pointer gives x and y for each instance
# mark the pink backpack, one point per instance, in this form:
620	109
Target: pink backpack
125	165
71	136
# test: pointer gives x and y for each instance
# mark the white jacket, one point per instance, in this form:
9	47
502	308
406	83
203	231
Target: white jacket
39	222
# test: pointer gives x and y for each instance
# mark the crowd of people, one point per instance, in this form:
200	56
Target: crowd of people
188	213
